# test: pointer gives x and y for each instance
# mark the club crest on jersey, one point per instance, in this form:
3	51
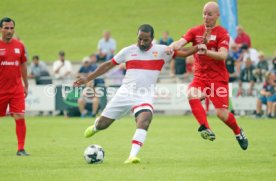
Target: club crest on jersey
155	54
17	50
2	51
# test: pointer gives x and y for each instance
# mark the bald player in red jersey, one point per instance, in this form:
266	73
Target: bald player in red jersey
13	69
210	73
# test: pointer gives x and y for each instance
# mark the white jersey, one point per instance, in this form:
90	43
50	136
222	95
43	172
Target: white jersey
143	67
137	90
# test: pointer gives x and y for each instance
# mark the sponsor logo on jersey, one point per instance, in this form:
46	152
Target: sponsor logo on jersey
6	63
17	50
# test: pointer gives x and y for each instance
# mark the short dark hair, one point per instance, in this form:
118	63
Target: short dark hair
147	28
36	57
61	53
6	19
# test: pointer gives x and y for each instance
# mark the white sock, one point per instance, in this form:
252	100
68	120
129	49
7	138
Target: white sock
137	141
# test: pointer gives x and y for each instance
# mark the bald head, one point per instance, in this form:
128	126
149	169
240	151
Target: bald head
211	6
210	14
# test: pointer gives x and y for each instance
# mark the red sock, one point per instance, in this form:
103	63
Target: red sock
199	112
232	123
20	133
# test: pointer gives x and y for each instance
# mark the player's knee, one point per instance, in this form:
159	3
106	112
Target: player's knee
222	114
144	124
194	94
18	116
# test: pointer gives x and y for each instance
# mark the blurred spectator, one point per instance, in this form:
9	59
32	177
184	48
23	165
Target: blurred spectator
251	53
274	63
242	38
86	67
178	66
274	109
247	76
89	65
88	103
230	65
166	39
234	52
262	67
267	96
39	71
106	47
62	68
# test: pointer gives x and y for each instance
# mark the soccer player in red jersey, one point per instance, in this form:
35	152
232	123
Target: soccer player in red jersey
13	69
210	73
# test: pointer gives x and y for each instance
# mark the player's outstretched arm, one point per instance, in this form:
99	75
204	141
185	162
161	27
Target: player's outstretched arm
185	52
221	54
176	46
103	68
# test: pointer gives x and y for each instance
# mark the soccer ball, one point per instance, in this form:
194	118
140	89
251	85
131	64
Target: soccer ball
94	154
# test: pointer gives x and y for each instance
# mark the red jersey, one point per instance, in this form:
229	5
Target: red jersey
12	55
243	39
207	68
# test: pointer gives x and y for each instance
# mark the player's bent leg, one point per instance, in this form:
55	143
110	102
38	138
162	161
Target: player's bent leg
229	119
99	124
195	96
143	120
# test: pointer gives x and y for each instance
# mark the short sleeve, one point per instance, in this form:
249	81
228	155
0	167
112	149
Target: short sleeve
166	57
23	55
190	35
120	57
223	40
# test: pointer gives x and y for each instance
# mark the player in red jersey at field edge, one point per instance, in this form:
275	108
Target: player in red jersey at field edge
210	73
13	69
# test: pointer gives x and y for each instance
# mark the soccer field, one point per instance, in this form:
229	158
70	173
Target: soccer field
173	151
74	26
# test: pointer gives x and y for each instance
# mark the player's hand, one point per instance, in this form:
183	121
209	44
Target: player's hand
206	35
202	49
26	91
80	82
169	50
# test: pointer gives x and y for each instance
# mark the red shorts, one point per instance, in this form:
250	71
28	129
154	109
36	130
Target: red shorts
15	101
216	91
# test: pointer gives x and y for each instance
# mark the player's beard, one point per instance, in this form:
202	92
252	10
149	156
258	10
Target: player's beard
8	36
143	48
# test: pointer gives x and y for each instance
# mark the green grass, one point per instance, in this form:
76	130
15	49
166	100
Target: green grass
76	25
173	151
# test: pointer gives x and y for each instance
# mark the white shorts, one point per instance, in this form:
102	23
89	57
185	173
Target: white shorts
123	102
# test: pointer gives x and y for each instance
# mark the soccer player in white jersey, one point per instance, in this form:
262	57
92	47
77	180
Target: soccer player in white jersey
144	62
